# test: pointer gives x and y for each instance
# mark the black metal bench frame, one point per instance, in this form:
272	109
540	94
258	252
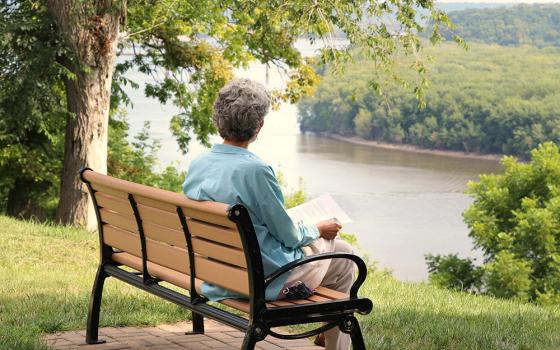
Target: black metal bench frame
336	313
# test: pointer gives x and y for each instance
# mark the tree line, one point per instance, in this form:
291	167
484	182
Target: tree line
536	25
489	99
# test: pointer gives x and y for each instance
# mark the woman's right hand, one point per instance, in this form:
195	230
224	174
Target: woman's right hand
328	229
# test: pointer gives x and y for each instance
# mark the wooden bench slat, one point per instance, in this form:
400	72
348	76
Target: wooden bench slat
214	233
164	234
154	231
171	276
244	306
160	253
203	215
171	257
238	304
281	303
226	276
154	203
318	298
115	204
213	212
159	217
302	301
121	239
127	223
330	293
101	180
312	299
219	252
110	191
176	278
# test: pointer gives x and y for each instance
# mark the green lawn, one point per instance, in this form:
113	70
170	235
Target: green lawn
46	275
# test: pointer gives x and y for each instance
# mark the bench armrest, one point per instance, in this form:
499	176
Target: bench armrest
362	268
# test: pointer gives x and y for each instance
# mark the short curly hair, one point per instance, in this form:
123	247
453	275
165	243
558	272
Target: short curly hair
239	109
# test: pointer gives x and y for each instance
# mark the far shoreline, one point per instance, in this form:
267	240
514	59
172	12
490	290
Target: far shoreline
411	148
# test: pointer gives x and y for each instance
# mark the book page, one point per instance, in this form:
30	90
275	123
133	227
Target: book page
318	209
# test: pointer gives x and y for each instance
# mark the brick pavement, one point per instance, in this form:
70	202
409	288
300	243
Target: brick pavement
170	337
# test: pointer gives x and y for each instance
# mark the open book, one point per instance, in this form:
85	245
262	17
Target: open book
318	209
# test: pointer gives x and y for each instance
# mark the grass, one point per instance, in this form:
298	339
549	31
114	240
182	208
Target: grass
420	316
47	272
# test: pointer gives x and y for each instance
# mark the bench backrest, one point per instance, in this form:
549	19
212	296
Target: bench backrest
204	240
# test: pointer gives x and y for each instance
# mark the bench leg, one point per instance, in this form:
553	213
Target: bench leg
254	334
356	336
197	324
94	307
249	341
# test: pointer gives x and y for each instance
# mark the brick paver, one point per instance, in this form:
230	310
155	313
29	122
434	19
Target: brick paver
170	337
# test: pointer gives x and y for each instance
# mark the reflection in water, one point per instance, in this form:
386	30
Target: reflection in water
368	155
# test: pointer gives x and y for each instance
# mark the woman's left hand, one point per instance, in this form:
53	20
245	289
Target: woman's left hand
328	229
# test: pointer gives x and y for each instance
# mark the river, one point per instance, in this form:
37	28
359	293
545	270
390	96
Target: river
403	205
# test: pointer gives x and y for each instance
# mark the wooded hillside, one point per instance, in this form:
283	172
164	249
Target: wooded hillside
489	99
537	25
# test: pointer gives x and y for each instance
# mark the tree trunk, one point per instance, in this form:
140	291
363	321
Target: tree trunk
91	31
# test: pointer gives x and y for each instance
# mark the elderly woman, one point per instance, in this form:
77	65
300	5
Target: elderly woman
230	173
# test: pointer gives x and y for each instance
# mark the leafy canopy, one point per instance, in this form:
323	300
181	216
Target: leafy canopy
190	49
32	105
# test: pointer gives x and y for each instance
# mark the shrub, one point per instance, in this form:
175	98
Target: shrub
508	276
515	221
452	272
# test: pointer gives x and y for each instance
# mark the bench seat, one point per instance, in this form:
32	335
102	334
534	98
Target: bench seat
164	236
182	280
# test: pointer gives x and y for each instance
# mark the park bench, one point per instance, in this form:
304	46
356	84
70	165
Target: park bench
149	236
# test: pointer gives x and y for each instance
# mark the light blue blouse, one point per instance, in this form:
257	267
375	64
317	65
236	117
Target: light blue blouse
229	172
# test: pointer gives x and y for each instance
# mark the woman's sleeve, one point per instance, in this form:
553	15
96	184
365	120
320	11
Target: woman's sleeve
270	207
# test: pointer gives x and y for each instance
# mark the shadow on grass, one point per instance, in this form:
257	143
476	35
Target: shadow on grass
25	317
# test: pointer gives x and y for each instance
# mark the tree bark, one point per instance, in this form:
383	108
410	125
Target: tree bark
90	29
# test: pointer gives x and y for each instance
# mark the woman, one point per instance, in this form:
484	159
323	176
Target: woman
230	173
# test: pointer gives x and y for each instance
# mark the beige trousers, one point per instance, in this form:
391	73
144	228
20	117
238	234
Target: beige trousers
337	274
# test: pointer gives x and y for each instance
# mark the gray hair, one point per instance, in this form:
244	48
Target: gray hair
239	109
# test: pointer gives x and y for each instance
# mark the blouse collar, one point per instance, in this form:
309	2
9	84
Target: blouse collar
223	148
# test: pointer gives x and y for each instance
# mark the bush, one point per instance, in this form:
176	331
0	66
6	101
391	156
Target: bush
515	221
508	276
452	272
